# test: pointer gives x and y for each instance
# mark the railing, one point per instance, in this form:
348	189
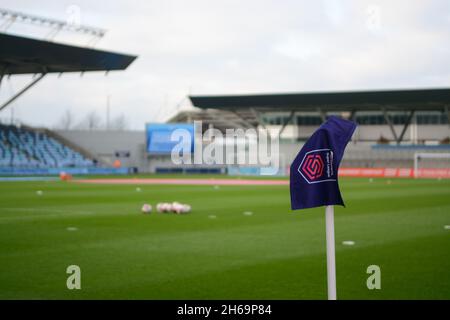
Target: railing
412	147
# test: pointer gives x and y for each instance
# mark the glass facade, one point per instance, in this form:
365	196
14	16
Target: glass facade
375	118
401	118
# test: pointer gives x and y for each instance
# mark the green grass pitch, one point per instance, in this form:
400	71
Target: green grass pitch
272	254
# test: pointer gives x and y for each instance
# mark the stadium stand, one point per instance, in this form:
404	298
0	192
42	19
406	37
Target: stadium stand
32	151
395	110
24	148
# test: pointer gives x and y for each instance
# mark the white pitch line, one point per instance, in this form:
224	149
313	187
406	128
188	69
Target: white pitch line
348	243
42	213
48	210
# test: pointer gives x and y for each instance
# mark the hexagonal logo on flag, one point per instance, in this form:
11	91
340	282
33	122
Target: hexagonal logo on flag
317	166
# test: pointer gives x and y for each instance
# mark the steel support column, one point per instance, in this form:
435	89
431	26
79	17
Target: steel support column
2	74
352	115
286	122
18	94
323	115
244	120
447	109
258	116
407	123
391	125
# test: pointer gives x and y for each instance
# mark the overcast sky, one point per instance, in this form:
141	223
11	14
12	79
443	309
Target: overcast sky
234	46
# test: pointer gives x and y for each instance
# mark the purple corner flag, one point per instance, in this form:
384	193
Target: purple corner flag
314	172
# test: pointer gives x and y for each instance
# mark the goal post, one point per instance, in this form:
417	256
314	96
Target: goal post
431	165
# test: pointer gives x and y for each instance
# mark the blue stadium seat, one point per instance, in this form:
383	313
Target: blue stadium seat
25	148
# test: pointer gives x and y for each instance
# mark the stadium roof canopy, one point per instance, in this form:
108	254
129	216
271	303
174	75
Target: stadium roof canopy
20	55
248	109
412	99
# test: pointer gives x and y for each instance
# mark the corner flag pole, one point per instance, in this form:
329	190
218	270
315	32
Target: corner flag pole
331	257
318	161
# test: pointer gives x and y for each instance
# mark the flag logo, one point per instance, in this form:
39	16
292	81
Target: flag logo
317	166
314	171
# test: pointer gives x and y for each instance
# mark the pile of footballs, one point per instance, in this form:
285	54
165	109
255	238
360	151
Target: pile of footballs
165	207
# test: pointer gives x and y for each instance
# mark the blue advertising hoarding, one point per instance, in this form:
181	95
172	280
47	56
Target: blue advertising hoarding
159	137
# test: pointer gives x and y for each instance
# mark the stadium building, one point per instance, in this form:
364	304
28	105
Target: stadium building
394	125
25	150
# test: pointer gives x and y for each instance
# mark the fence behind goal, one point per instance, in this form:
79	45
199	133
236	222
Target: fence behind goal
431	165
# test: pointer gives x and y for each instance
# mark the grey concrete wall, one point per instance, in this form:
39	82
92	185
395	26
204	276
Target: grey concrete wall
374	132
103	145
424	132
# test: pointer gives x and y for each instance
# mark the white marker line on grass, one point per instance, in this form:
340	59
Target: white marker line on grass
447	227
348	243
247	213
41	213
72	229
49	210
211	216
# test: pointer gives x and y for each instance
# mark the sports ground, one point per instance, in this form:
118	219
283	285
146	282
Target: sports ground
239	241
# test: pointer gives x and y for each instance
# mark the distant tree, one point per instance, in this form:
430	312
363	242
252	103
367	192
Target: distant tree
91	121
67	120
119	123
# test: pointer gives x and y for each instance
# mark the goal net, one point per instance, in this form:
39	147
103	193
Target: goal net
432	165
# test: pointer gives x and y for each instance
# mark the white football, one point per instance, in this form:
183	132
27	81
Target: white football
146	208
168	207
163	207
174	207
160	207
177	207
